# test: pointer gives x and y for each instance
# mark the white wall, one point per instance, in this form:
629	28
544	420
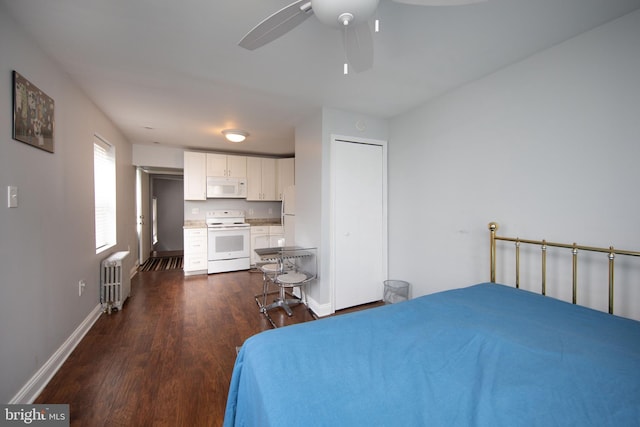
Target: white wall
548	147
47	243
313	141
309	208
157	156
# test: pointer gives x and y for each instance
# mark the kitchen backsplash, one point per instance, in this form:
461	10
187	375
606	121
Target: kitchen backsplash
197	210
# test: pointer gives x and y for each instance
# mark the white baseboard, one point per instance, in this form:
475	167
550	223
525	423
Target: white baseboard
30	391
321	310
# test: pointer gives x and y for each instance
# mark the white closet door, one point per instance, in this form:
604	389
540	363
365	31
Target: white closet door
359	240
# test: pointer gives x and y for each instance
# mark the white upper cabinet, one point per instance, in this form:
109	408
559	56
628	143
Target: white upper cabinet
267	178
286	175
261	179
237	166
195	176
226	165
216	164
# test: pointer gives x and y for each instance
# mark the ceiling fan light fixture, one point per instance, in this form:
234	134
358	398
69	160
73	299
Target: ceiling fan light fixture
334	12
345	18
352	16
235	135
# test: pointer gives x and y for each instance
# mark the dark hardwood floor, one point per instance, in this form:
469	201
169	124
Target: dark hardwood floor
166	358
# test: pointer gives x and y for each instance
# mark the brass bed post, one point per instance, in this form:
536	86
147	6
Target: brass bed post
493	226
518	263
612	255
544	267
574	251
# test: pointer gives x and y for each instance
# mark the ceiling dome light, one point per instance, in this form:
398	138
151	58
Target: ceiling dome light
235	135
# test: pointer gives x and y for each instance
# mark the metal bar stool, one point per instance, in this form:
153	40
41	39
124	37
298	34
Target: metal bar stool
269	272
290	280
294	268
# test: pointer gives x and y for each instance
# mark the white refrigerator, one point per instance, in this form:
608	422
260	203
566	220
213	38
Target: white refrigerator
289	215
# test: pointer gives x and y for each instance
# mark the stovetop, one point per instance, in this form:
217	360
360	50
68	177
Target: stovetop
226	219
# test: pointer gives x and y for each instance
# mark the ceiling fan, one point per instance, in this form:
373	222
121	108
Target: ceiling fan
352	16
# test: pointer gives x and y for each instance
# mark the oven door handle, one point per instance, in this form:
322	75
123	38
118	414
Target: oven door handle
225	228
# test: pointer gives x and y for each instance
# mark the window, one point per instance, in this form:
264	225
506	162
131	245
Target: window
104	179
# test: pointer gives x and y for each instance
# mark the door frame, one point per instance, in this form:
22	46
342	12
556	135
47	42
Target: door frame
332	211
143	229
144	199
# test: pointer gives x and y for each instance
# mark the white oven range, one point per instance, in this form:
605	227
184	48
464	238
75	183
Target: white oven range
228	241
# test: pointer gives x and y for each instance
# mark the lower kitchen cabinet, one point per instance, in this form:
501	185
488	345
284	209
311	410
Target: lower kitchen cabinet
195	251
265	236
276	236
259	240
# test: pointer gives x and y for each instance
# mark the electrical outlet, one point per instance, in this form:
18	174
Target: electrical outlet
81	285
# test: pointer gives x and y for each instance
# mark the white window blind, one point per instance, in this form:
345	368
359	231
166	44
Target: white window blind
104	164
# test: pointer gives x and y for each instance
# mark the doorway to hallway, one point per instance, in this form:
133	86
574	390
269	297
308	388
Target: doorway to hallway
167	202
160	211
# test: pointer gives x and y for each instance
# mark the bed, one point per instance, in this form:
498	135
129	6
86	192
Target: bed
483	355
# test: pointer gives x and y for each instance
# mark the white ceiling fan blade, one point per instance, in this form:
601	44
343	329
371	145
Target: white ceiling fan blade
277	24
358	46
439	2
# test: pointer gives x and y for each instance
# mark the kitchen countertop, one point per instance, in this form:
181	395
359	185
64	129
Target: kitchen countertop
195	223
263	221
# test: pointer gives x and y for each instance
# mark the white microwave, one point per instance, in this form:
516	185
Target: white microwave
222	187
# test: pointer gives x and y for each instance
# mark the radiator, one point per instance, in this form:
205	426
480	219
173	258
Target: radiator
113	284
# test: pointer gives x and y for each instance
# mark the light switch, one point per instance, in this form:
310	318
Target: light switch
12	196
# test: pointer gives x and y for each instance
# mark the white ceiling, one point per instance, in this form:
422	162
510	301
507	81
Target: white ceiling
175	66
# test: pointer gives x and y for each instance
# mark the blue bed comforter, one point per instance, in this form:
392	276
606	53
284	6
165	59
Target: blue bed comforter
486	355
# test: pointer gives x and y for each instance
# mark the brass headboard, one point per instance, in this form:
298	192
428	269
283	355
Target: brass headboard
493	227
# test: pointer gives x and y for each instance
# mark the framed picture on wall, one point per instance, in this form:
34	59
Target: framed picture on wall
33	114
